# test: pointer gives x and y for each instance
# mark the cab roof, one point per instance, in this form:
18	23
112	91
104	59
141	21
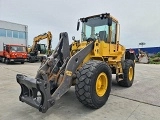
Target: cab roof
101	15
14	45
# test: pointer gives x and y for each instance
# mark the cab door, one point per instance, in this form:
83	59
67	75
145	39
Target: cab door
113	33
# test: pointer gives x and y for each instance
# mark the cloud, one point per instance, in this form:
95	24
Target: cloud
139	20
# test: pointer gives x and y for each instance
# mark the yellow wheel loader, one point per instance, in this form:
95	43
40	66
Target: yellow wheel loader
87	63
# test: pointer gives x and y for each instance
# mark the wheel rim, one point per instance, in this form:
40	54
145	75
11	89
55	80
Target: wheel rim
101	84
130	73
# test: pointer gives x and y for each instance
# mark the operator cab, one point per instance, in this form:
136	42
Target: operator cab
41	48
14	48
99	27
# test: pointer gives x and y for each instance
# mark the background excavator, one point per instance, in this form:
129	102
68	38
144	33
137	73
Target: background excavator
87	63
38	51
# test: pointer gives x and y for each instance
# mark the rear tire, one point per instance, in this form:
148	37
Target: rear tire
31	60
22	62
128	74
93	84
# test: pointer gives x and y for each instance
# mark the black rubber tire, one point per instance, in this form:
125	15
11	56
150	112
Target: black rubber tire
7	61
22	62
3	60
31	60
85	87
126	82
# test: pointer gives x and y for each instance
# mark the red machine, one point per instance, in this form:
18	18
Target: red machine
13	53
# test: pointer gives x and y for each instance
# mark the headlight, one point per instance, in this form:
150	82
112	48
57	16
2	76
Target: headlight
8	56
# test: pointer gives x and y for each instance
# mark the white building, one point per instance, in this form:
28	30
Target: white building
13	33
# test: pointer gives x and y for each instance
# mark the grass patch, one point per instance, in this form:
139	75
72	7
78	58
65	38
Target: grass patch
154	60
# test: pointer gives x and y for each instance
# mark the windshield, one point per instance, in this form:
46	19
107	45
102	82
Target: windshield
42	47
17	49
95	28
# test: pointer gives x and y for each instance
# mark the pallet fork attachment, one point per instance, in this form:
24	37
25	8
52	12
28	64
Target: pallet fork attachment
41	92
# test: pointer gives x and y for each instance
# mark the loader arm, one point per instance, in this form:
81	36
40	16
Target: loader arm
44	81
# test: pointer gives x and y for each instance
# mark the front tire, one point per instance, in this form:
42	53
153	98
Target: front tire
93	84
7	61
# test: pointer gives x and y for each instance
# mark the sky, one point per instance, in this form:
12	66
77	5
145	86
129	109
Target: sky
139	19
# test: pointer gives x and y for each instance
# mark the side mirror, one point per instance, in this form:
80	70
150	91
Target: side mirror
109	21
78	24
4	47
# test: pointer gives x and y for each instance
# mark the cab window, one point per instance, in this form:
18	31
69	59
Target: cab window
114	29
